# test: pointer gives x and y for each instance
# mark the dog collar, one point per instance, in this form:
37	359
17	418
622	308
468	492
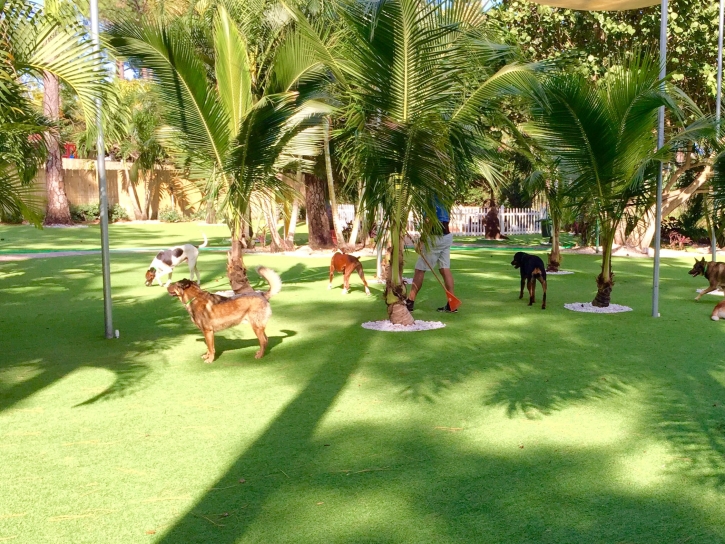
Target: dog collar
192	299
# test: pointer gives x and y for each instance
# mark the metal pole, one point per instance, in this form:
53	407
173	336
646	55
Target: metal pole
660	143
103	193
718	105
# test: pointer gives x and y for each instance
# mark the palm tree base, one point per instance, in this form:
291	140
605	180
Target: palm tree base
236	272
604	292
399	315
553	265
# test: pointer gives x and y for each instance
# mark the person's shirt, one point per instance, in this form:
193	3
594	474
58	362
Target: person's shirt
441	213
444	218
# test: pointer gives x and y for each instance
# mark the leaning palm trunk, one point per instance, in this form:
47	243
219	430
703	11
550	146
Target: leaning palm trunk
132	193
269	209
289	237
358	219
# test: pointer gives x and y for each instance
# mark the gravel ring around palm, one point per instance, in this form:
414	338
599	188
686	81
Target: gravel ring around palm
405	280
387	326
559	273
587	307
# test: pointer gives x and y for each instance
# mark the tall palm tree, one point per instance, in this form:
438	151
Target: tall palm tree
418	85
602	137
51	44
228	98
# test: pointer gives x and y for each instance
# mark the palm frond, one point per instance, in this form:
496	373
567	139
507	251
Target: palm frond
192	108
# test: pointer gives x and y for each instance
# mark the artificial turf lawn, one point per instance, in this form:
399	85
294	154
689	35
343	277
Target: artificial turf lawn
512	424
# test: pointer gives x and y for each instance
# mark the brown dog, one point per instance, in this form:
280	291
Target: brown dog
718	311
714	272
213	313
342	262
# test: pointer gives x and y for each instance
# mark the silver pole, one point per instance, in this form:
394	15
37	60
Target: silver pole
718	104
660	143
103	193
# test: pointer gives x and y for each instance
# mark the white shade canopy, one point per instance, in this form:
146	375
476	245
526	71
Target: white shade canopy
598	5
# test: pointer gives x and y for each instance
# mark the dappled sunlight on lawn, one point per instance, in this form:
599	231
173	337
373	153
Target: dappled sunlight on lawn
514	423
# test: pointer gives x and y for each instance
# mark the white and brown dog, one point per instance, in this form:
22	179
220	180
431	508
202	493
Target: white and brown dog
164	263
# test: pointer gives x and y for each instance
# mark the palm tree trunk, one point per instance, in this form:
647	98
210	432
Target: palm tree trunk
57	207
147	194
395	293
331	185
210	212
236	272
319	226
270	213
132	193
290	235
605	280
358	217
555	255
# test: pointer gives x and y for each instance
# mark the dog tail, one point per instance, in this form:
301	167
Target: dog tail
205	241
273	279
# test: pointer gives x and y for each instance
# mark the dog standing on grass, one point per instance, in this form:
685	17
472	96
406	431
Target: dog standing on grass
212	313
164	263
342	262
713	272
532	269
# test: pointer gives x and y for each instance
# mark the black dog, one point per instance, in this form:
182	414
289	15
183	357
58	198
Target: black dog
532	268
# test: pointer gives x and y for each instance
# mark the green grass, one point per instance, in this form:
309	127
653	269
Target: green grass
517	241
510	425
25	238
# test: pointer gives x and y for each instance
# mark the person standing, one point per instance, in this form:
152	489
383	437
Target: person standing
438	253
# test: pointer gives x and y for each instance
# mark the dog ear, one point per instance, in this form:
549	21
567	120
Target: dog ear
152	269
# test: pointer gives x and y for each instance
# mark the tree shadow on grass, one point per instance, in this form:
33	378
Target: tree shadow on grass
52	321
287	444
223	344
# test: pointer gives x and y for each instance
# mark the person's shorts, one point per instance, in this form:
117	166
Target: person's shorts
438	253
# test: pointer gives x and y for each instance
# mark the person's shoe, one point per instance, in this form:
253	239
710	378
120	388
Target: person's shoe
447	309
409	304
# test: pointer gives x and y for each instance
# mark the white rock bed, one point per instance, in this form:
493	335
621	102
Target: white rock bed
405	280
588	308
227	294
716	292
559	273
387	326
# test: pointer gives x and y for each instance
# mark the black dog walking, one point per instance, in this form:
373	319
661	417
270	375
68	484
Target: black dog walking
532	268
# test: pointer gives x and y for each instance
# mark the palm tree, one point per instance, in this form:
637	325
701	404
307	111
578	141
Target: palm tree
228	101
602	137
418	85
52	44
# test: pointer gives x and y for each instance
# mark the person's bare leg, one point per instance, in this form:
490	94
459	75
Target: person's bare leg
417	284
447	278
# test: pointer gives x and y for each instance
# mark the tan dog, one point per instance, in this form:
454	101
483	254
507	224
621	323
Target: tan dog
718	311
713	272
213	313
342	262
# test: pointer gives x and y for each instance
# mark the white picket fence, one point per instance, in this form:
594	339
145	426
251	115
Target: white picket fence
345	213
471	220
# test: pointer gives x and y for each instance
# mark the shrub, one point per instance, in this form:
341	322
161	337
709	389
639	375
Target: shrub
85	212
170	215
91	212
14	218
117	213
